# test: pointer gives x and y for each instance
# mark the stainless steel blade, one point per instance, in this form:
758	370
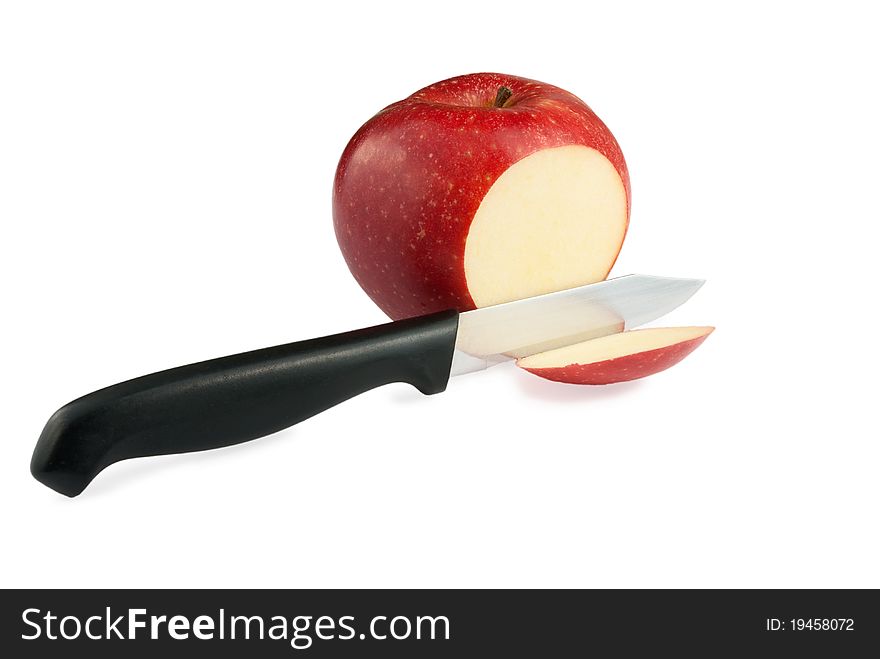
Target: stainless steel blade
492	335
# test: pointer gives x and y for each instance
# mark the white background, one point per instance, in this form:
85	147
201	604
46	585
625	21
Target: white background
165	176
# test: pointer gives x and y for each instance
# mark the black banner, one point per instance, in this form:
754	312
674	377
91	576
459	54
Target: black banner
418	623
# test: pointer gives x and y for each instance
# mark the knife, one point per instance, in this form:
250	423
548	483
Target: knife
234	399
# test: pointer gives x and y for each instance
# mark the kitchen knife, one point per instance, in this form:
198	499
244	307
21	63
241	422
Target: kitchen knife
233	399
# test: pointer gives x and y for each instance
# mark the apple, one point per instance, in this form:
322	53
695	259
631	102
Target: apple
617	357
479	190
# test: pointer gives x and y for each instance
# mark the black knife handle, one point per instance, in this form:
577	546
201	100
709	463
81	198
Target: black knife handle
233	399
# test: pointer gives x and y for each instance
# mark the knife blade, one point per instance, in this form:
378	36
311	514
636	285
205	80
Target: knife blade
493	335
234	399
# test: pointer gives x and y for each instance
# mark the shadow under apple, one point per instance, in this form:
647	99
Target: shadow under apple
560	392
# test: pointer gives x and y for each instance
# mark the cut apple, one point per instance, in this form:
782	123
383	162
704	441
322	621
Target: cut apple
617	357
478	190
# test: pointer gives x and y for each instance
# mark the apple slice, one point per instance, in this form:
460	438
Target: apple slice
617	357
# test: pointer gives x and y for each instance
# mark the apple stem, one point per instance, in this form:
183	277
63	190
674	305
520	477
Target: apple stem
504	93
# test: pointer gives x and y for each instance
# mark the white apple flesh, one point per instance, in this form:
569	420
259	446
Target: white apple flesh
552	221
617	357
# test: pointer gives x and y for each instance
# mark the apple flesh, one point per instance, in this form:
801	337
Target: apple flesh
479	190
617	357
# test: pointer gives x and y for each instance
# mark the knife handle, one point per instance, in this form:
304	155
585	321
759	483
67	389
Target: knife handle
234	399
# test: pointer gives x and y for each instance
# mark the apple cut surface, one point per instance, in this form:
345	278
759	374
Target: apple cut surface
554	220
617	357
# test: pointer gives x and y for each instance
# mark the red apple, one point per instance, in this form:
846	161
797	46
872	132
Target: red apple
479	190
617	357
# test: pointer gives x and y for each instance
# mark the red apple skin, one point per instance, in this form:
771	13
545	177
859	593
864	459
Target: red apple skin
411	179
621	369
